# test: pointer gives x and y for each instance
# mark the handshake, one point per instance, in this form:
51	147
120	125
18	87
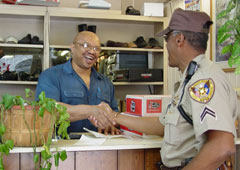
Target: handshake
103	116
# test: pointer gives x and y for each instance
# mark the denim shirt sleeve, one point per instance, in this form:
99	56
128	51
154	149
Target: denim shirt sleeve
114	104
48	83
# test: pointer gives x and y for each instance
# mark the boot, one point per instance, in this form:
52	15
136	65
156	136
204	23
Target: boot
82	27
92	28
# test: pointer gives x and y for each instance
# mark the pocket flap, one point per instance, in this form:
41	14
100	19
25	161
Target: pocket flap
73	93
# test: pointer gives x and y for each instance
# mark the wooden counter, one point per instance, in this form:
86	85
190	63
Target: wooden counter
113	154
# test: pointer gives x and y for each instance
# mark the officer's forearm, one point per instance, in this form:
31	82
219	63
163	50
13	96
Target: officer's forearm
148	125
218	147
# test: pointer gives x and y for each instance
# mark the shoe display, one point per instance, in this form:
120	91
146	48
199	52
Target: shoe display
10	75
23	76
35	40
116	44
26	40
131	11
140	42
132	45
153	43
92	28
82	27
11	40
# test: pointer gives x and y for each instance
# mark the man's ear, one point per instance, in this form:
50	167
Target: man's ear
180	39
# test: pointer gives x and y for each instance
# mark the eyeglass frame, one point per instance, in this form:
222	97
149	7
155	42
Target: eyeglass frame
87	46
174	33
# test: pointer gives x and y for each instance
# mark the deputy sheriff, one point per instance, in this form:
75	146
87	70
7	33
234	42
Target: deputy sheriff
198	126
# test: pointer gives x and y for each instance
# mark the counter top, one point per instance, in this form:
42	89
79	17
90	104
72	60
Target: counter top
109	144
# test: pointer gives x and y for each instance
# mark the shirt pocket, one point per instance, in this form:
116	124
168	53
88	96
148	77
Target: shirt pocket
171	130
74	97
103	98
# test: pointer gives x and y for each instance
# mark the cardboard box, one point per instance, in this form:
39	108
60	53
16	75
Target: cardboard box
153	9
147	105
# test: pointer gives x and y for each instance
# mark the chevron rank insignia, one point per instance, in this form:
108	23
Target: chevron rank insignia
202	91
207	112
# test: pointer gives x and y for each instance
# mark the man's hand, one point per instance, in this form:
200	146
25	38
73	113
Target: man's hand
100	116
110	130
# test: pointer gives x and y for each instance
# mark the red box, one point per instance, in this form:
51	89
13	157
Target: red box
130	131
147	105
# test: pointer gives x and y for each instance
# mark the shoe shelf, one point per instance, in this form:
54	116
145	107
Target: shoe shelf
114	48
136	83
20	45
22	10
99	14
19	82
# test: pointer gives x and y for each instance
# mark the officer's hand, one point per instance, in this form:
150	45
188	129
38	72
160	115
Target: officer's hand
99	117
110	130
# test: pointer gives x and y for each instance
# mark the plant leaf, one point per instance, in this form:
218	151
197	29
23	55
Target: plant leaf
36	158
2	129
223	37
236	49
9	144
27	93
56	158
63	155
42	97
8	101
227	49
41	111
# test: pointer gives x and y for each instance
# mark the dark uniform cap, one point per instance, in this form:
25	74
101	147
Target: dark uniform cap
185	20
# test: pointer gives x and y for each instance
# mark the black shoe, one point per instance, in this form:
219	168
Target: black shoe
23	76
82	27
153	43
35	40
131	11
140	42
26	40
92	28
7	75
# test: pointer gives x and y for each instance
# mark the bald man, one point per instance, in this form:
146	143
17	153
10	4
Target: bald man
77	85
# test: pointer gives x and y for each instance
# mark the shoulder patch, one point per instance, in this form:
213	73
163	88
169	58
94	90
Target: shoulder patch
202	91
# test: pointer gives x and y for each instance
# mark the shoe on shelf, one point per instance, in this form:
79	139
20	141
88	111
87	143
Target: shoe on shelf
23	76
111	43
92	28
26	40
11	40
140	42
132	45
82	27
35	40
131	11
10	75
153	43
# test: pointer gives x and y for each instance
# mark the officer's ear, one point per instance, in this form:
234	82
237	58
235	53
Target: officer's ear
180	39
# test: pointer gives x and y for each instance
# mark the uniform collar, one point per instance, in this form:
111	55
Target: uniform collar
68	69
197	59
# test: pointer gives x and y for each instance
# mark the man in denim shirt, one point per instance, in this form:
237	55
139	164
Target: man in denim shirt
77	85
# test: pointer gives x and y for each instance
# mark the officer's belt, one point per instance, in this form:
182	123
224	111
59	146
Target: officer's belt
163	167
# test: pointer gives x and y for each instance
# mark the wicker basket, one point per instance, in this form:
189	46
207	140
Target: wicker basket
17	130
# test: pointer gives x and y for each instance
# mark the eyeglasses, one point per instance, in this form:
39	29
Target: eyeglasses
174	33
88	47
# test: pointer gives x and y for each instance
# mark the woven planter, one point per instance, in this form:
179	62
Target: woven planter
17	130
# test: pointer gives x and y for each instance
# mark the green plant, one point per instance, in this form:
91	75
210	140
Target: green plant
59	118
231	29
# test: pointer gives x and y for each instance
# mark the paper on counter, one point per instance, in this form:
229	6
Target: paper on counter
100	135
90	140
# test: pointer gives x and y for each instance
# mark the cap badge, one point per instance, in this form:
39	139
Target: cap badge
202	91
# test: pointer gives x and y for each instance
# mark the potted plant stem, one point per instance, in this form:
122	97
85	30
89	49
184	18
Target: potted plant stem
31	123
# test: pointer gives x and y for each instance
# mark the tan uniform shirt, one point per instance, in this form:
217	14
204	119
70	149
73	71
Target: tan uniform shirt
209	100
